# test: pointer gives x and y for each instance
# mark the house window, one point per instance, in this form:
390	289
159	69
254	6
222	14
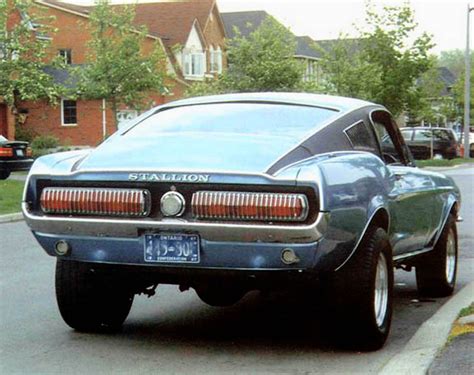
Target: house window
311	71
216	60
66	54
194	64
68	112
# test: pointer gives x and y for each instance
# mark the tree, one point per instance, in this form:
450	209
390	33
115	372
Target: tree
458	93
263	61
120	70
385	63
24	54
454	60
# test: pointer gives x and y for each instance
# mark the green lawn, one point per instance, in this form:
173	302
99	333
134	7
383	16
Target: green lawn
442	162
10	196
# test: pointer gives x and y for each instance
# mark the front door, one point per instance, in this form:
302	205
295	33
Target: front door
411	209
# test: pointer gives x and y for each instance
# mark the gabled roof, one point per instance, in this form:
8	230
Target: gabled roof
173	20
306	47
446	76
169	20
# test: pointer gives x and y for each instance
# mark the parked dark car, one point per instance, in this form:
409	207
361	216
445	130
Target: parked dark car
232	193
14	156
418	140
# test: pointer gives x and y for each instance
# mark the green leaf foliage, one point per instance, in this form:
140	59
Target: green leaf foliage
119	68
24	50
383	64
263	61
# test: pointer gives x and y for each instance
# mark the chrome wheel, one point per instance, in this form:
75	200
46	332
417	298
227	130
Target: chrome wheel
381	290
450	257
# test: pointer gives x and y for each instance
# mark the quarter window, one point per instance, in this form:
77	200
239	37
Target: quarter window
362	138
68	112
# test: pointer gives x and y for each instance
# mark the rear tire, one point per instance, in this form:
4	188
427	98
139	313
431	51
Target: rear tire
89	300
362	294
4	175
436	271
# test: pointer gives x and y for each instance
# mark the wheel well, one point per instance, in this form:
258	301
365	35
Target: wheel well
381	219
454	209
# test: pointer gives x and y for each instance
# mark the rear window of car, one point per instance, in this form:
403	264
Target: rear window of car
406	134
438	135
422	135
259	119
443	135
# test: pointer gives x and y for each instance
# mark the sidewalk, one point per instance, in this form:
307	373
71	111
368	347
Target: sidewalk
428	342
457	358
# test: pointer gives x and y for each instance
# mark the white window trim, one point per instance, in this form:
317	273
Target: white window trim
62	114
189	55
216	60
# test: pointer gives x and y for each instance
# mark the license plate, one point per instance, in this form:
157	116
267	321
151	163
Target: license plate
172	248
20	153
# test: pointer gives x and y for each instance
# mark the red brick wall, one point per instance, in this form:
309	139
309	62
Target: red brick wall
45	119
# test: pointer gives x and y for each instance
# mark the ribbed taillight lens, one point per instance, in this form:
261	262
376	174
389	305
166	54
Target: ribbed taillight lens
6	152
229	205
95	201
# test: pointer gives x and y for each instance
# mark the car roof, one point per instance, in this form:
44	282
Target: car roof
337	103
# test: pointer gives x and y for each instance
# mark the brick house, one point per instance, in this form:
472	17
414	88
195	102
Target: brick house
171	24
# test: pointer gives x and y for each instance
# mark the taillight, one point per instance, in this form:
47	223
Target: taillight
95	201
29	152
249	206
6	152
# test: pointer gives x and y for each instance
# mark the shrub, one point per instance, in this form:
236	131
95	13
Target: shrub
23	133
43	142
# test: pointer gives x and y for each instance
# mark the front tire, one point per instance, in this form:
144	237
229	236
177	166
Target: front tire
436	272
363	291
89	300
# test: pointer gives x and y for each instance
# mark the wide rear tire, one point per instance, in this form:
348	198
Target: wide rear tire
362	294
436	271
89	300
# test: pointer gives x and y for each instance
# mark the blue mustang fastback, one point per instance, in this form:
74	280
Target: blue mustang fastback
232	193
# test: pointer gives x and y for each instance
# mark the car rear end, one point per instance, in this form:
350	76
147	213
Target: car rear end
14	156
181	226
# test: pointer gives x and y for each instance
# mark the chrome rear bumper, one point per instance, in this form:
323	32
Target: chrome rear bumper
112	227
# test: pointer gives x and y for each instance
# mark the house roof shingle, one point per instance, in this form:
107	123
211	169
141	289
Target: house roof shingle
246	22
171	21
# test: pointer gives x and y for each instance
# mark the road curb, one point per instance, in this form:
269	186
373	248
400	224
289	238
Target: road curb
11	217
446	168
418	354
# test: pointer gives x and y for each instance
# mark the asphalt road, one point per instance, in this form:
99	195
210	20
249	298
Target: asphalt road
175	332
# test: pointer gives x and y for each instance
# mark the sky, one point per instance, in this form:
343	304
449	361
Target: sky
325	19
